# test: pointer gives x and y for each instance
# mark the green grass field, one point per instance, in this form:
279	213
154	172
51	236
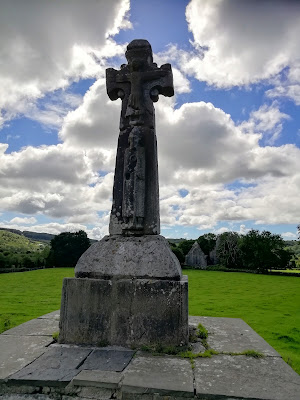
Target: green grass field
27	295
269	304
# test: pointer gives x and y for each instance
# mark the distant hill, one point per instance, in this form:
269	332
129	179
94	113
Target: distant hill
19	253
176	241
40	237
10	241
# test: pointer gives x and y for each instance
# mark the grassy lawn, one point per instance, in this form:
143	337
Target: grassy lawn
27	295
269	304
291	271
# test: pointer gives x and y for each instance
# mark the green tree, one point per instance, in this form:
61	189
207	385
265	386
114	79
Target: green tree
228	251
3	261
66	248
207	242
263	251
28	262
185	246
178	253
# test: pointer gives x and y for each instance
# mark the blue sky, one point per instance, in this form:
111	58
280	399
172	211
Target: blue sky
229	140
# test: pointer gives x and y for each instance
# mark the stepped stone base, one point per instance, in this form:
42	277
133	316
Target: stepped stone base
124	312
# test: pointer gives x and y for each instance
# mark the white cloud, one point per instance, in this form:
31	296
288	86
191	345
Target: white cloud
25	220
202	150
289	235
266	120
46	45
241	42
221	230
289	85
200	144
95	122
181	83
57	181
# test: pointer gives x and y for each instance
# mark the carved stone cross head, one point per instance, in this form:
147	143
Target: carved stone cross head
138	84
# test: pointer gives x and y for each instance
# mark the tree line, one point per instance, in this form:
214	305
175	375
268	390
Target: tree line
259	251
255	250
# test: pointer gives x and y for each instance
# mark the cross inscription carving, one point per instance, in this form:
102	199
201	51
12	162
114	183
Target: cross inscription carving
138	84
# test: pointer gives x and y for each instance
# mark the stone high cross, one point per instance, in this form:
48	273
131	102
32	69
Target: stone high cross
135	208
128	288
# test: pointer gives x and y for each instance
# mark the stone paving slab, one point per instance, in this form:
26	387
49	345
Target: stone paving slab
35	327
105	379
57	366
51	315
219	377
108	360
162	375
241	377
233	335
16	352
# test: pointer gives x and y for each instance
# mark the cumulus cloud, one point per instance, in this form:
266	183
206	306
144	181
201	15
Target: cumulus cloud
46	45
241	42
267	120
25	220
200	144
289	236
95	122
288	85
54	180
203	151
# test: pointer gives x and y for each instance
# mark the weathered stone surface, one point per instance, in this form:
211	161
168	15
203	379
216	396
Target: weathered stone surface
135	209
35	327
233	335
51	315
129	257
162	375
108	360
94	393
132	312
35	396
242	377
97	378
197	347
195	257
16	352
56	367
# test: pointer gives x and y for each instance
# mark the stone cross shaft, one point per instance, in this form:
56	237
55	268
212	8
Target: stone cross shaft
135	209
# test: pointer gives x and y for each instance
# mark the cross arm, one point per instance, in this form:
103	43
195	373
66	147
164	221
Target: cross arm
115	83
163	84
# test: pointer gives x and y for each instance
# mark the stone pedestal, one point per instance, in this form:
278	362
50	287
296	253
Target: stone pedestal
116	257
125	312
127	291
